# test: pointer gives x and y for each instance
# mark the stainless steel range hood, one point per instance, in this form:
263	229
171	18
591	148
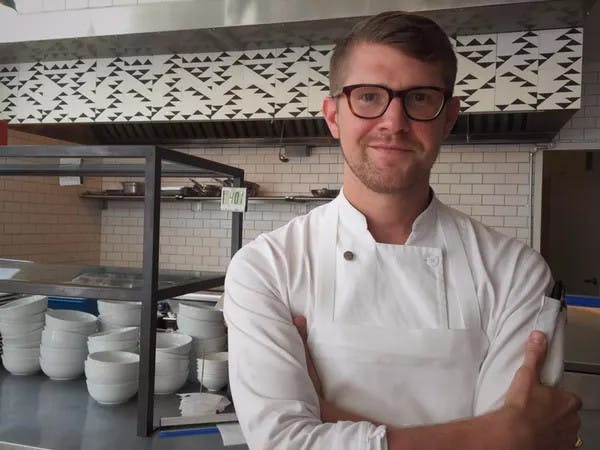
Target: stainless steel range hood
534	127
222	25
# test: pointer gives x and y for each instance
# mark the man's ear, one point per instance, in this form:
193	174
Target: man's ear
452	110
329	109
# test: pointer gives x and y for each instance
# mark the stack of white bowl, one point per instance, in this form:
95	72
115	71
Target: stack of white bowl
64	343
120	339
213	372
206	326
21	325
117	314
112	376
172	362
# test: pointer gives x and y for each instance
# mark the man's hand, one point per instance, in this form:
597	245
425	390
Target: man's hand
545	418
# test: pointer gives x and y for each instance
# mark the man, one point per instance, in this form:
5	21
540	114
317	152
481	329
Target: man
416	316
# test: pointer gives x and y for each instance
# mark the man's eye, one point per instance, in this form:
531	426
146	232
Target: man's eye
369	97
419	97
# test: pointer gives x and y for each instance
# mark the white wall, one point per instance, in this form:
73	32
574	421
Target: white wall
490	183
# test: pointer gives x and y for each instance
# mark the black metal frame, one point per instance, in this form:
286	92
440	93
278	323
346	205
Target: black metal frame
152	170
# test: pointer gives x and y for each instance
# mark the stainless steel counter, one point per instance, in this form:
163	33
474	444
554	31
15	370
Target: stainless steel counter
60	415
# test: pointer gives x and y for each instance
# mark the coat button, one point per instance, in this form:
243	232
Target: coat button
433	261
348	255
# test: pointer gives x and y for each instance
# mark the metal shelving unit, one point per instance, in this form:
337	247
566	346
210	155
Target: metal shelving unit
148	284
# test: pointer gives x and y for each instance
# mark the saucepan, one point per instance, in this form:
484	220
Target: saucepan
133	187
325	192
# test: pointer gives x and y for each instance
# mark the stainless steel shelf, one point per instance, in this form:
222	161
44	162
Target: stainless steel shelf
112	283
148	284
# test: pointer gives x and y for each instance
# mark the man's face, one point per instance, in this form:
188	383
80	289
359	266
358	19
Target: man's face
391	153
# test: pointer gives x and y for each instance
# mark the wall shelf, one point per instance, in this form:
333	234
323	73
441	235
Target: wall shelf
173	198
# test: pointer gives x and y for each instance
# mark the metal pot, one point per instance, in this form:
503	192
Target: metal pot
133	187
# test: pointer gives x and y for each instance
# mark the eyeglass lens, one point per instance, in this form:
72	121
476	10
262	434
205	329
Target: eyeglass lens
419	103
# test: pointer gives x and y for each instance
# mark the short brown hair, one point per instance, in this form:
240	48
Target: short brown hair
418	36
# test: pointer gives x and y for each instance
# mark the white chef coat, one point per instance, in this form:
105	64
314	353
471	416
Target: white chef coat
275	277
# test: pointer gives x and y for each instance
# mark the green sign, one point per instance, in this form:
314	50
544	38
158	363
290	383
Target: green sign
233	199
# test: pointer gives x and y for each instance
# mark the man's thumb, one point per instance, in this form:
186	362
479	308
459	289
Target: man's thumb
535	352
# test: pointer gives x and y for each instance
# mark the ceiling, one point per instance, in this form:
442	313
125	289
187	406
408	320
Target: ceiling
223	25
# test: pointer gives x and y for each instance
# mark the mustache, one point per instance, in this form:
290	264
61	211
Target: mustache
391	141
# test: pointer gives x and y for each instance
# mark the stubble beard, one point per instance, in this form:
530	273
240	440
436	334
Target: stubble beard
391	181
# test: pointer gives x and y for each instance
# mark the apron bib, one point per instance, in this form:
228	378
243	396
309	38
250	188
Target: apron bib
391	374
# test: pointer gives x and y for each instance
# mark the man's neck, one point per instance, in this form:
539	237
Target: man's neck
390	217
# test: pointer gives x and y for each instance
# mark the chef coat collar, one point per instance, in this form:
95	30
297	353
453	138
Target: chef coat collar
355	220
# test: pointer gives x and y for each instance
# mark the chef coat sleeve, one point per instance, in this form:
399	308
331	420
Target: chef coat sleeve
275	401
518	284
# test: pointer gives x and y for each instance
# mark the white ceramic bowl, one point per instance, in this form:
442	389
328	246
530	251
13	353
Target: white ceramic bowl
209	345
63	339
32	339
57	369
112	364
109	374
21	366
117	307
177	343
169	383
217	359
200	328
29	318
126	318
117	334
33	304
73	321
19	329
73	356
21	352
166	366
200	312
103	346
112	394
213	383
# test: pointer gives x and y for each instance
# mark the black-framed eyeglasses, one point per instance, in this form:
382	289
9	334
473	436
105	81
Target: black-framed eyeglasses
369	101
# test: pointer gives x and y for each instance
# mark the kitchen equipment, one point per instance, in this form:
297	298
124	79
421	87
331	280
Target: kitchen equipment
206	190
325	192
251	188
133	187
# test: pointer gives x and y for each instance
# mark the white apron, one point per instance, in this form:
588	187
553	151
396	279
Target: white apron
395	375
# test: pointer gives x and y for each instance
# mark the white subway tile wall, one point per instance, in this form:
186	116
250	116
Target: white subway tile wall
201	239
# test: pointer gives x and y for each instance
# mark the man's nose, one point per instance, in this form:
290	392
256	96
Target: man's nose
395	119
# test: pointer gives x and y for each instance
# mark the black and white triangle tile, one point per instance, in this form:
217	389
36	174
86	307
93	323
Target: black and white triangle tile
476	73
318	77
125	89
69	91
509	72
560	67
291	83
259	89
9	89
517	71
31	95
182	89
225	100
